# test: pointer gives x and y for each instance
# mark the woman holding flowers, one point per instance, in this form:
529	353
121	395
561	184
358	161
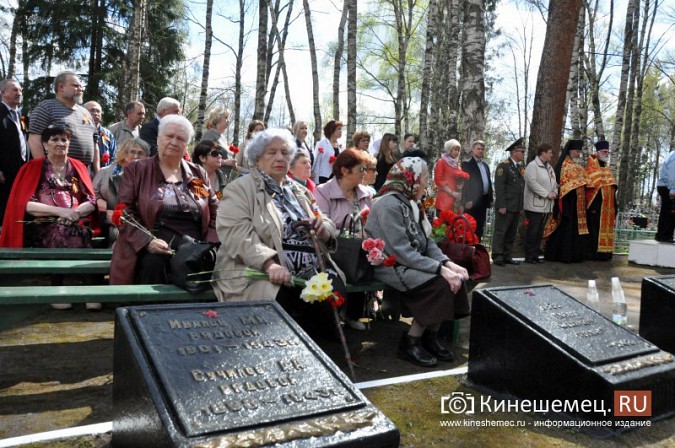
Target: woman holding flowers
431	285
51	199
344	196
271	225
449	177
161	199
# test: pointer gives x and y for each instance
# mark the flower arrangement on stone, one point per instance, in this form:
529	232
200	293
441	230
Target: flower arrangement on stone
121	216
456	228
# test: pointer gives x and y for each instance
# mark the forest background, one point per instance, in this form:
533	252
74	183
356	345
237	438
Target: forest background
466	69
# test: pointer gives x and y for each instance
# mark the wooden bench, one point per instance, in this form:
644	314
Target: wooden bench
54	254
41	266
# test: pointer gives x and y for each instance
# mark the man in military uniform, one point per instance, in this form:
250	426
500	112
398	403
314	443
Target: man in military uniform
509	190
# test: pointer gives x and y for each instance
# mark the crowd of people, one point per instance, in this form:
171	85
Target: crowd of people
276	205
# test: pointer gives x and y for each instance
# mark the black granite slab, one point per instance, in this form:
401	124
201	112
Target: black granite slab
187	374
538	343
657	311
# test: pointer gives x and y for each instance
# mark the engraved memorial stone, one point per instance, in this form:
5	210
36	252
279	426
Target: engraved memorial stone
538	343
232	374
657	311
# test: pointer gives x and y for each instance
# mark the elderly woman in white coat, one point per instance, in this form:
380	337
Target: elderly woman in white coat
541	189
267	226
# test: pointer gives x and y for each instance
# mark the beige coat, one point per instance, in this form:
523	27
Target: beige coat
249	229
540	181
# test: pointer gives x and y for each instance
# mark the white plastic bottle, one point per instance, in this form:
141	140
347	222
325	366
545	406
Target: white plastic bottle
619	309
592	296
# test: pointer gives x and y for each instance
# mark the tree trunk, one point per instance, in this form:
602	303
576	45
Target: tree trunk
281	63
573	86
625	170
11	63
351	69
237	73
549	98
472	71
616	143
426	74
131	66
204	92
261	81
315	72
337	59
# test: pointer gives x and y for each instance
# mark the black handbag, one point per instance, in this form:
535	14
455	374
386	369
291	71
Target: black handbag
191	257
350	257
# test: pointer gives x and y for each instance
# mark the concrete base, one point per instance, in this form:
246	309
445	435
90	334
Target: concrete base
652	253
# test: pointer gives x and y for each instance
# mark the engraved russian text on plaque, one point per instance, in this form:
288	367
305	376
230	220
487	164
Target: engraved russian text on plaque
201	374
538	343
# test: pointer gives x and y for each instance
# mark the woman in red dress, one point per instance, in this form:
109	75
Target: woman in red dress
448	177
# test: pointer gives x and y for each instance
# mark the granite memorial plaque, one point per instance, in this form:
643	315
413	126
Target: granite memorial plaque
228	374
657	311
538	343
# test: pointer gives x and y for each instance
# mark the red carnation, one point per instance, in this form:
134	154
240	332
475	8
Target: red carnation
117	215
437	222
390	261
332	159
320	150
234	149
105	158
337	300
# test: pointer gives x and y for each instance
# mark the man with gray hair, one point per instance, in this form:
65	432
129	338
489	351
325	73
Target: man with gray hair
66	109
13	148
130	126
107	146
149	131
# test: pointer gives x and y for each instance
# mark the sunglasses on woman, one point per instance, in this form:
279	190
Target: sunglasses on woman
215	153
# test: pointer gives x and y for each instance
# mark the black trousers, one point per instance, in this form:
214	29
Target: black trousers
533	233
666	224
504	234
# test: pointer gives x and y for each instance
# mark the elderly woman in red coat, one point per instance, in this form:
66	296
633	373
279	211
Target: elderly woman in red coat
167	197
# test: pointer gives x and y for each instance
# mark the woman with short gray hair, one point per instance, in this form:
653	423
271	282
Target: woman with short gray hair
271	224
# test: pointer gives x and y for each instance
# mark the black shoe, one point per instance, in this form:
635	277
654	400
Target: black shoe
410	349
431	343
513	262
498	262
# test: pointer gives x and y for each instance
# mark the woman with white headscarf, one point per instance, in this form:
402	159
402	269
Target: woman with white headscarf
430	285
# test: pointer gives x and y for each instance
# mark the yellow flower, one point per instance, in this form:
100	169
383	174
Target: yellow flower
317	289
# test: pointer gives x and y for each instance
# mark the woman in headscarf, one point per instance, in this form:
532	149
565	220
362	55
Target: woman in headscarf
566	228
430	284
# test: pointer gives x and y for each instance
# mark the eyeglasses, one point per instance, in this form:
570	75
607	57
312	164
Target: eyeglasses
215	153
362	169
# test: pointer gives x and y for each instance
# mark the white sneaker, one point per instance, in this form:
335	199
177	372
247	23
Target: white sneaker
62	306
355	324
94	306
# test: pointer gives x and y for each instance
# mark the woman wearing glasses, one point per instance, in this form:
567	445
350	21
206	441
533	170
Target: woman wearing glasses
341	197
51	199
209	154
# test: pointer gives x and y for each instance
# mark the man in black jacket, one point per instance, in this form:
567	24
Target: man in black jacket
477	192
13	147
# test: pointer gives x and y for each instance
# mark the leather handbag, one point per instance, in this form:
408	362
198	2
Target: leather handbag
191	257
472	257
350	256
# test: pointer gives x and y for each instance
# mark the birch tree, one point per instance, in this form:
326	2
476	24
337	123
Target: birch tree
203	94
261	75
432	13
131	65
472	71
337	59
351	67
315	72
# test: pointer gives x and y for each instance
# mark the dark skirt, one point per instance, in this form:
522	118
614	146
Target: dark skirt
434	302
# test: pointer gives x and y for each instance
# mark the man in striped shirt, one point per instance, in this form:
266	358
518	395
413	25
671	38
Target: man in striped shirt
66	109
